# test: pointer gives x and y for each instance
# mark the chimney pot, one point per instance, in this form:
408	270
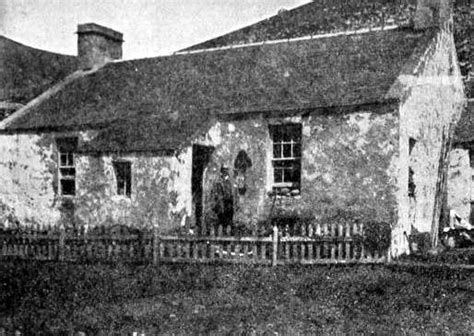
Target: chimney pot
97	45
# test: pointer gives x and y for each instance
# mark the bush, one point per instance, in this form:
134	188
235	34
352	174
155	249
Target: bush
376	236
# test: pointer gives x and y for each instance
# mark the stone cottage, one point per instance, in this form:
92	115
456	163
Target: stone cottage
331	111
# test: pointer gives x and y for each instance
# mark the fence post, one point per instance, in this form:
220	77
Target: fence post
275	245
155	245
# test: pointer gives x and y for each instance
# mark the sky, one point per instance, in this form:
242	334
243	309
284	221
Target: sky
150	27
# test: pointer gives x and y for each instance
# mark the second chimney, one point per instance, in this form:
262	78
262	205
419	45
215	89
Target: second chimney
97	45
432	13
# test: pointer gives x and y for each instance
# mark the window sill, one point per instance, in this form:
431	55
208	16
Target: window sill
67	197
280	192
121	198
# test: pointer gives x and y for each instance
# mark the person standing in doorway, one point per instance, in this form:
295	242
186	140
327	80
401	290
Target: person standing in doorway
223	199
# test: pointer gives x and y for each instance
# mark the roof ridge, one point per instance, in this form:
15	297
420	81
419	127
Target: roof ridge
21	44
289	40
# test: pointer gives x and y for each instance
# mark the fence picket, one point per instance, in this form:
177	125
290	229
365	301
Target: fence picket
310	251
317	242
361	232
287	251
340	235
229	249
245	251
263	251
333	243
348	244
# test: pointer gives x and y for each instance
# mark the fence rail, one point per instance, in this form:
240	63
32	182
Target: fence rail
315	244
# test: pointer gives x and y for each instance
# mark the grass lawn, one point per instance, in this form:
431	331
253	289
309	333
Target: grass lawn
53	298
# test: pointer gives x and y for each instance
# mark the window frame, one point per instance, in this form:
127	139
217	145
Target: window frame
66	147
288	138
124	190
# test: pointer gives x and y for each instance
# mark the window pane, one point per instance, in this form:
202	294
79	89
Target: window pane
66	159
277	151
287	150
295	174
297	150
284	133
278	175
296	133
120	188
283	163
63	159
71	172
70	159
68	187
277	133
128	183
123	175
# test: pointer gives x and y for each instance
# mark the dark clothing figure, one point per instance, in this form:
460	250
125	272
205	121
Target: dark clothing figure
223	207
224	202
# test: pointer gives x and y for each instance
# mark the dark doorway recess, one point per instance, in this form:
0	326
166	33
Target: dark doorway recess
201	157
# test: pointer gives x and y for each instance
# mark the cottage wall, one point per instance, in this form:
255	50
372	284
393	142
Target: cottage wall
348	166
160	195
161	186
433	101
460	184
28	178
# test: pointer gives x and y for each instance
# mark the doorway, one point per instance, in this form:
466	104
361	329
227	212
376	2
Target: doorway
201	157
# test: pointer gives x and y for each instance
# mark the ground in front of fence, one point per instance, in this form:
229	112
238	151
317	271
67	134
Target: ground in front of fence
54	298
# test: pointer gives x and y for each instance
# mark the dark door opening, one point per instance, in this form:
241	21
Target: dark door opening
201	157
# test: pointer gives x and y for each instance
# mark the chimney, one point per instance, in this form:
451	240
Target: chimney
432	13
97	45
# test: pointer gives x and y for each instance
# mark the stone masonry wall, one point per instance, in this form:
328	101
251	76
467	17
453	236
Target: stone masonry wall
460	184
28	178
160	196
348	166
161	186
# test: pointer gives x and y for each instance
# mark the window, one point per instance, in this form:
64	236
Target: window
286	156
123	175
67	166
411	145
411	183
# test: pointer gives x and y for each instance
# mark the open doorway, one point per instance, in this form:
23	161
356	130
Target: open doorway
201	157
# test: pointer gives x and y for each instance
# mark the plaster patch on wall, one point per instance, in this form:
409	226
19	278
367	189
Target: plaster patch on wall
459	182
26	181
214	135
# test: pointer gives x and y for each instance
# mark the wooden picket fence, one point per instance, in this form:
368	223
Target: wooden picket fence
315	243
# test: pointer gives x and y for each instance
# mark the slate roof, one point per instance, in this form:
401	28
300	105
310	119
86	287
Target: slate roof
319	17
171	90
331	16
26	72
